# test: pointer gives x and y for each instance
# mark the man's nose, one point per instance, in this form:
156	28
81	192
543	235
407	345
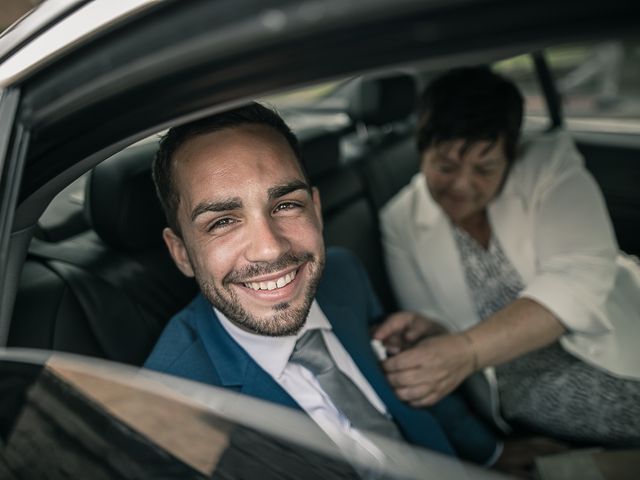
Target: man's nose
267	242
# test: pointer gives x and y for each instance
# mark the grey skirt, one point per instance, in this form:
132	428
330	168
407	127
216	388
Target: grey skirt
557	394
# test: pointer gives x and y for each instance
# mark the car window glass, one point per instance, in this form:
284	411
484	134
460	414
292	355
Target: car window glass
598	85
301	96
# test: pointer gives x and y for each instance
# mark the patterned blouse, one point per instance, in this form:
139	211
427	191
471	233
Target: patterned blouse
491	278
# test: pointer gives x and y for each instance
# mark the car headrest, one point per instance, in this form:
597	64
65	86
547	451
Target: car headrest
382	100
320	151
121	203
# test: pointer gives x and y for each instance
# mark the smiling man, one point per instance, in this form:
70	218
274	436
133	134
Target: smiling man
276	313
248	227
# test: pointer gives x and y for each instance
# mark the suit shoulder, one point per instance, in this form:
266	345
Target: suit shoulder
341	262
177	338
337	255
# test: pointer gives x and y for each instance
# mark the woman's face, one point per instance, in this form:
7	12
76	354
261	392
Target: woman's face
464	182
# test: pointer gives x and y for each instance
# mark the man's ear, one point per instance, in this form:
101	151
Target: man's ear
178	251
315	195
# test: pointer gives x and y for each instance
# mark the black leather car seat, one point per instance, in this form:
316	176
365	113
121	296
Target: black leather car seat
356	174
109	291
384	109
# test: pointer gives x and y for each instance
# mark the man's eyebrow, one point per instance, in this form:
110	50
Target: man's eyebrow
282	190
219	206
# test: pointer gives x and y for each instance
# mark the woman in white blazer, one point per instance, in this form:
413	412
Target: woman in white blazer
507	244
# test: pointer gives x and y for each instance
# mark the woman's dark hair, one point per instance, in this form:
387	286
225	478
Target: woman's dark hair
470	103
251	114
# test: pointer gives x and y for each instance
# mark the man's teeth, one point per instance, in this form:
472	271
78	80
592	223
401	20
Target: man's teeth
272	284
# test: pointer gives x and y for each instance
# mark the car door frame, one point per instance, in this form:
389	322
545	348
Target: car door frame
13	143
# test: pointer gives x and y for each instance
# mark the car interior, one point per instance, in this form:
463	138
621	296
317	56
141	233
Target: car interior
83	268
98	280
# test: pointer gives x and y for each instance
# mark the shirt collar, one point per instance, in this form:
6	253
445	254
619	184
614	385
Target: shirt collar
272	353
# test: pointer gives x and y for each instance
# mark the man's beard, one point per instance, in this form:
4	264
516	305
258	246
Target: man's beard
285	320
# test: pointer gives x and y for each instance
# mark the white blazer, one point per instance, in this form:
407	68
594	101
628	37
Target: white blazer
552	223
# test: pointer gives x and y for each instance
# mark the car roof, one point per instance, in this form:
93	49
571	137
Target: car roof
85	21
99	95
34	22
53	29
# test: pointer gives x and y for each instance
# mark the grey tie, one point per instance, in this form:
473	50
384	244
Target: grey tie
311	352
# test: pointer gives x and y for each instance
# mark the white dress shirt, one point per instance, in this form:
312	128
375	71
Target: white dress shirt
272	355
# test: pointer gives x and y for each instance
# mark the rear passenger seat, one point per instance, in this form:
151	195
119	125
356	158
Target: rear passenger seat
352	194
106	292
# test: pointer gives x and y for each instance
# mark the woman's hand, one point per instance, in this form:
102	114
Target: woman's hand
423	372
402	330
435	366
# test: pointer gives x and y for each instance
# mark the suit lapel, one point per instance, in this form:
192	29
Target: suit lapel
257	383
235	368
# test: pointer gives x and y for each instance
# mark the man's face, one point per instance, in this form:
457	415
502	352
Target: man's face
251	227
464	182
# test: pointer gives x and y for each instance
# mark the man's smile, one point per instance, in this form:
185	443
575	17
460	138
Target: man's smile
272	284
284	286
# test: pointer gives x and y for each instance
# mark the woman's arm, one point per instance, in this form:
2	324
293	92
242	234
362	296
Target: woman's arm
521	327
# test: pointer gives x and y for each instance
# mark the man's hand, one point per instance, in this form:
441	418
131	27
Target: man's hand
426	372
403	329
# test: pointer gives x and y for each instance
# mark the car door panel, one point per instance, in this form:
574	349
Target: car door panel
614	161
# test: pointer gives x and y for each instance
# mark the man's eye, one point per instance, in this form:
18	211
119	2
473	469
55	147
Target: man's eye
286	206
220	223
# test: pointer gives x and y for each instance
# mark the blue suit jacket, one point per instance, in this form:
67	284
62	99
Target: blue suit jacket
194	345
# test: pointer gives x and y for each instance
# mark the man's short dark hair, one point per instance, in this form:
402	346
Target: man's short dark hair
251	114
470	103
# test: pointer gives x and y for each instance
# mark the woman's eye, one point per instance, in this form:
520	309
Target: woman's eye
444	168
